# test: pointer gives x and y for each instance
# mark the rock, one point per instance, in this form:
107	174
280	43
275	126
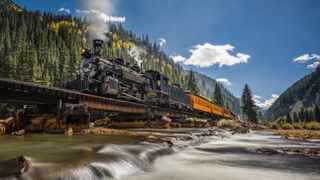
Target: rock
37	121
69	131
152	137
266	150
165	118
50	122
2	129
21	132
301	151
240	130
258	127
101	122
92	125
8	121
14	166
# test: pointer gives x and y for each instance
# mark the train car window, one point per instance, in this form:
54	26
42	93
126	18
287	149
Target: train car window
166	82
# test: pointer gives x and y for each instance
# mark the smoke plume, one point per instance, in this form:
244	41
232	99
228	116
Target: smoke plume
136	53
98	13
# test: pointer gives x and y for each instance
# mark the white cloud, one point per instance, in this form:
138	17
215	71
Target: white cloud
64	10
267	103
162	41
178	58
313	65
306	57
224	81
101	15
207	55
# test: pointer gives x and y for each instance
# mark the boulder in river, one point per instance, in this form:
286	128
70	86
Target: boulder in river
14	166
21	132
69	131
266	150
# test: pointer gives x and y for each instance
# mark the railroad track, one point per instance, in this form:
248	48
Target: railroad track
17	92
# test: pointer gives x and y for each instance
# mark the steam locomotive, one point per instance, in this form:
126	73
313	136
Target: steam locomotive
117	79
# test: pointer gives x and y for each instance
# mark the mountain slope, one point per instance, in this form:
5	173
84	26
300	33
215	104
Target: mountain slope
305	92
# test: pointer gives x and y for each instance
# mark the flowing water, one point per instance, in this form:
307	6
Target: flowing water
117	157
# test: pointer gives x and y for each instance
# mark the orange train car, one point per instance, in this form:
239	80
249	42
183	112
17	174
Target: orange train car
199	103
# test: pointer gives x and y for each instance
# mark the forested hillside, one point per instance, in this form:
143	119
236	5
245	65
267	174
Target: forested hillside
45	49
206	85
302	95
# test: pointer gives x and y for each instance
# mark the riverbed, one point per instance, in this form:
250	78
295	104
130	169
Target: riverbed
222	156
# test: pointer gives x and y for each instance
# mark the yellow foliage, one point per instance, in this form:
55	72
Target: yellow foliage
115	36
127	45
169	66
72	26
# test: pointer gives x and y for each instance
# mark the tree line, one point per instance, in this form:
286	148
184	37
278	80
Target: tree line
304	115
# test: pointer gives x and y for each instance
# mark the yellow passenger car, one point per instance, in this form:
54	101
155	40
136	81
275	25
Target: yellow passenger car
199	103
216	110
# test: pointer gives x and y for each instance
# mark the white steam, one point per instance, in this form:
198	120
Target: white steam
136	53
98	12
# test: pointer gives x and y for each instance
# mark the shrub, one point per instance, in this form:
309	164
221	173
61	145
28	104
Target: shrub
274	125
297	125
227	123
286	126
313	125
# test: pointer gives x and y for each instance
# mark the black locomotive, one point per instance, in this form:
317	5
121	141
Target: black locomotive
115	78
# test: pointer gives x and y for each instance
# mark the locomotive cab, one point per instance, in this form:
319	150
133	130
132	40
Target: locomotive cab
159	87
160	82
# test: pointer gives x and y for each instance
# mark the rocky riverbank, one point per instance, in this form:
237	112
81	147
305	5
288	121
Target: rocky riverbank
299	134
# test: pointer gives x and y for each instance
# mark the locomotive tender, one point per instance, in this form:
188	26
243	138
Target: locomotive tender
117	79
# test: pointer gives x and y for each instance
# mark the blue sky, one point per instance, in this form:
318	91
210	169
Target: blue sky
272	32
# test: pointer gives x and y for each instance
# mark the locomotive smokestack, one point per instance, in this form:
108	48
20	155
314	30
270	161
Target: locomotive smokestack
98	47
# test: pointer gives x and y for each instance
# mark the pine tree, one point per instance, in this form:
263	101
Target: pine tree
306	116
6	61
311	114
295	117
249	109
227	106
288	118
301	115
192	83
316	113
217	96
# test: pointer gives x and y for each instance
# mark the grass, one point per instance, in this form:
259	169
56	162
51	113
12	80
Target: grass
287	126
274	125
313	125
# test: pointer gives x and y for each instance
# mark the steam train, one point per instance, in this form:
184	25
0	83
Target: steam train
117	79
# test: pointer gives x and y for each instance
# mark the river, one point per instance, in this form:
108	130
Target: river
223	156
